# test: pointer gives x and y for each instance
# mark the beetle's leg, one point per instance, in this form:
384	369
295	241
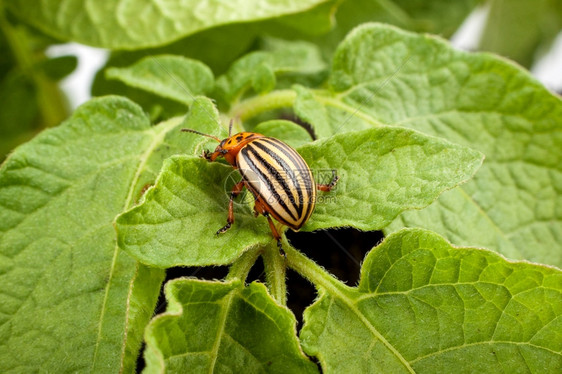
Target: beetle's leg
260	209
230	220
211	156
329	186
275	234
206	155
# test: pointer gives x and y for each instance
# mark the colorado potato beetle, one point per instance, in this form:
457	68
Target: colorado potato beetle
277	176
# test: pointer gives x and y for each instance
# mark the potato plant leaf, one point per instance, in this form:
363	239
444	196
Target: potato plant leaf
69	296
258	70
432	16
423	306
287	131
382	75
223	327
146	23
176	224
57	68
172	77
383	172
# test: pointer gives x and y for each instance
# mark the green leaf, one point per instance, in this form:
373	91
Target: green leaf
287	131
172	77
157	107
316	21
293	55
204	117
521	29
432	16
383	75
145	23
223	327
177	222
58	67
309	109
263	79
216	48
383	171
259	69
424	306
144	290
70	299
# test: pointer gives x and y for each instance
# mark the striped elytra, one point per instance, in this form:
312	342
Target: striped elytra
279	176
274	173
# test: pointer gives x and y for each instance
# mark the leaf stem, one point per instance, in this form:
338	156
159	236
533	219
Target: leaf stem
311	270
275	270
241	267
251	107
321	278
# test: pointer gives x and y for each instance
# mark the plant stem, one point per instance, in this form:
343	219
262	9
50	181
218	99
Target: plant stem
241	267
312	271
275	269
49	99
251	107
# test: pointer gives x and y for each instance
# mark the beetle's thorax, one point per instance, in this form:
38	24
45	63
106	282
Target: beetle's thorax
229	147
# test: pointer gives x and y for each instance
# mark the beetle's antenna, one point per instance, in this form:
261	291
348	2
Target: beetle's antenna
230	128
200	133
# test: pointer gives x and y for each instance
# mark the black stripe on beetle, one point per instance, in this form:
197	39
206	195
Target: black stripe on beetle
266	179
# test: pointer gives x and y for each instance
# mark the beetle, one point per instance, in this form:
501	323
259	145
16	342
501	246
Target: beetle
277	176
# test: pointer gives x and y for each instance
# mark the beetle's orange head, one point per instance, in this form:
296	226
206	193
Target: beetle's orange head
229	147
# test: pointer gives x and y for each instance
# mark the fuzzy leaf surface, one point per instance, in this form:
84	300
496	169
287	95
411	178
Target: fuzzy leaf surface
223	327
62	272
383	171
382	75
172	77
287	131
423	306
146	23
258	70
176	224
